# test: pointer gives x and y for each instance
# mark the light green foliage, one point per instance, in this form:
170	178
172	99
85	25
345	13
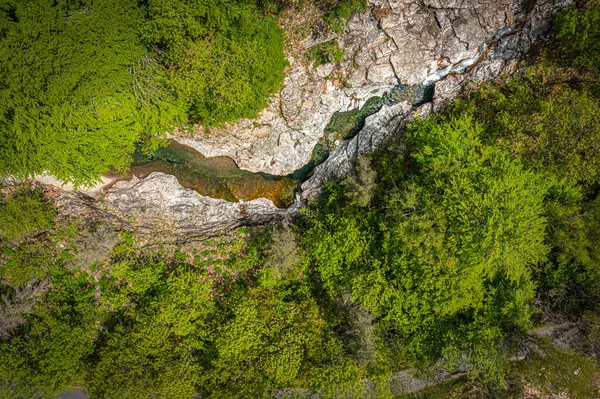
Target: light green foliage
551	119
158	318
266	344
47	356
449	254
556	131
461	240
225	59
67	106
568	134
83	82
153	325
23	214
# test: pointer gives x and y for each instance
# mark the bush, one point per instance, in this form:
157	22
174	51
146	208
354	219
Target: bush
225	59
102	78
555	128
23	214
325	53
580	32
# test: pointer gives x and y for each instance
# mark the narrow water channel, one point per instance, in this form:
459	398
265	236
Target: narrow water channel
216	177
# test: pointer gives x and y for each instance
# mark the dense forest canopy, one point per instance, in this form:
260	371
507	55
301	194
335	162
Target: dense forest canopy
446	249
84	81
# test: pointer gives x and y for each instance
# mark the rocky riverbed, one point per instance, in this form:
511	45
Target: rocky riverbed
411	56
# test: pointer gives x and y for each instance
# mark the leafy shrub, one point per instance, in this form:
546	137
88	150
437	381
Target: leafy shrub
325	53
225	59
554	128
570	282
25	213
580	32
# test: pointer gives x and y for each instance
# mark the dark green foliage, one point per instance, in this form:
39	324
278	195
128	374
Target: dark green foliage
580	33
570	283
334	13
325	53
361	185
23	214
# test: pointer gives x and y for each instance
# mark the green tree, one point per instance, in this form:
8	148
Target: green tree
276	339
25	213
67	106
154	341
225	59
446	259
47	355
554	128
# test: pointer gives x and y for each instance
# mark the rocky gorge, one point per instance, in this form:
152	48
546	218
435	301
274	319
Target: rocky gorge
402	59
